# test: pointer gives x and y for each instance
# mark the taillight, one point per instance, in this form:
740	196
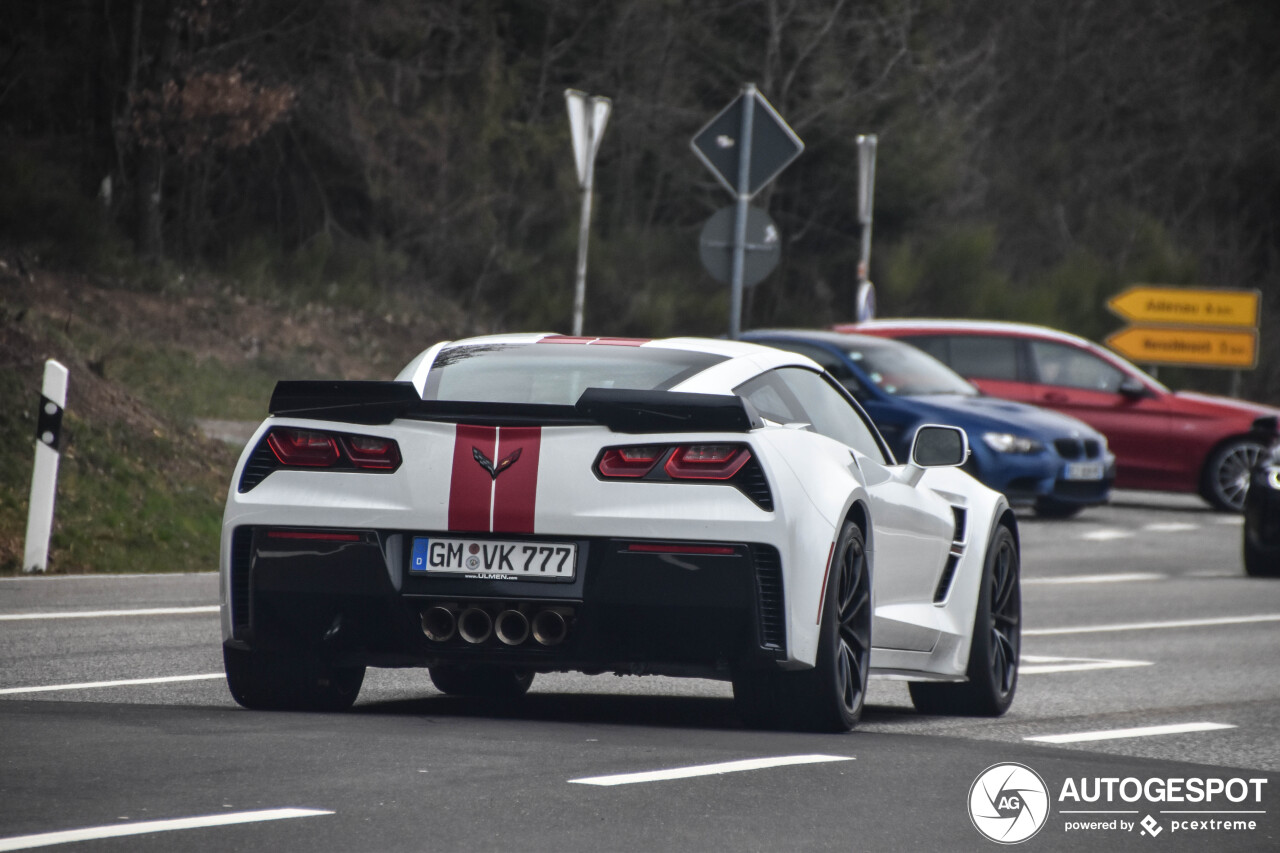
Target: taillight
707	461
304	447
630	461
369	452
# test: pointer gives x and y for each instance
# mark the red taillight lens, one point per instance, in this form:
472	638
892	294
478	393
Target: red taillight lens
301	447
369	452
707	461
630	461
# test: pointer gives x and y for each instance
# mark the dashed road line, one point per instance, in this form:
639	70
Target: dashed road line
1170	527
1042	665
91	685
121	830
708	769
1152	626
1142	731
102	614
1106	534
1119	577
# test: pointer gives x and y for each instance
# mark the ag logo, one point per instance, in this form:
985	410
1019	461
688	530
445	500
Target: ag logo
1008	803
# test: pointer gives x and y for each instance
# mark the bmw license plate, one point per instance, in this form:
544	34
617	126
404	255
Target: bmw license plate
1083	471
498	559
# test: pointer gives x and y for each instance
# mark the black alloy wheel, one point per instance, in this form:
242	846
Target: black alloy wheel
996	644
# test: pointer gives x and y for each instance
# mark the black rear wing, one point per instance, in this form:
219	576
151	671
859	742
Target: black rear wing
621	410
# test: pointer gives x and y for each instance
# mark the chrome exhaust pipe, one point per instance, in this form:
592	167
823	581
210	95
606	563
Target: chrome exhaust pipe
550	628
475	625
511	627
439	623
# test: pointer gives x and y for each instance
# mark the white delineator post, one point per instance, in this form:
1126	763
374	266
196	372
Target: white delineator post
44	476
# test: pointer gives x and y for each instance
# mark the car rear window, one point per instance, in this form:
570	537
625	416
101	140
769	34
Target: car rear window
556	374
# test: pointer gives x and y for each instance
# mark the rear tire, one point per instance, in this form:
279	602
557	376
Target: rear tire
829	697
488	682
284	681
997	641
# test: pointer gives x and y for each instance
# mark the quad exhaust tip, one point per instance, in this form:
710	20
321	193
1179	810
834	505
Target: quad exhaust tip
475	625
439	624
550	628
511	627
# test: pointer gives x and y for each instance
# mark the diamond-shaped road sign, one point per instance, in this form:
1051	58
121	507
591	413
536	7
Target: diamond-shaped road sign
773	144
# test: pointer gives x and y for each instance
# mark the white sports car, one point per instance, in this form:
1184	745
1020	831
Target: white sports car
531	503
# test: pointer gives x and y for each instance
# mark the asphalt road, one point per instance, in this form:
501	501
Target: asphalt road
1148	658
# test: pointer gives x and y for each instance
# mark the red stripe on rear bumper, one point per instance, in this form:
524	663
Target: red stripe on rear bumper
471	487
515	491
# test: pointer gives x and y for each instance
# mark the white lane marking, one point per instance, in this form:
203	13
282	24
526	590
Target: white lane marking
1143	731
99	614
1170	527
1119	577
46	839
90	685
1231	520
1152	626
1106	535
708	769
1041	665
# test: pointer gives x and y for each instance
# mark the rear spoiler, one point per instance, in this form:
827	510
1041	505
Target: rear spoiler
621	410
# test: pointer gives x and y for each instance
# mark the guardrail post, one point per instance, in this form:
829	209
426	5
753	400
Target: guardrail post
44	476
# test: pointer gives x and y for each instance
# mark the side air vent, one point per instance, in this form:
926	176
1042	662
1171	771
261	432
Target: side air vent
769	600
752	483
241	565
948	575
260	464
962	520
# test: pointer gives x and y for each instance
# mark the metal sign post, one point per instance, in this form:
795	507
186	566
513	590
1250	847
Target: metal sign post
745	147
864	305
587	127
44	475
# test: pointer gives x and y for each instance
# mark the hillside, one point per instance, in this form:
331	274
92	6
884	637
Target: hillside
141	487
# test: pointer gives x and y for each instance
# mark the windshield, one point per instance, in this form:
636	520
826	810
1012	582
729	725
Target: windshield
557	374
903	370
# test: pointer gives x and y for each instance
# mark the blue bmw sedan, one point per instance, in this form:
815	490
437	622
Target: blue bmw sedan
1039	458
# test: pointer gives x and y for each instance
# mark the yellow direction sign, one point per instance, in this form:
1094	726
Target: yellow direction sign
1187	347
1148	304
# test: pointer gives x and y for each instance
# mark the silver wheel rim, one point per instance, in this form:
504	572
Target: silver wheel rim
1232	475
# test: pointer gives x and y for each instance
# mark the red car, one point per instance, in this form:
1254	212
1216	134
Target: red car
1165	440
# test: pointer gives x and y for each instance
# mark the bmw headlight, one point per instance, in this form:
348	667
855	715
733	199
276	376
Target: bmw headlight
1007	442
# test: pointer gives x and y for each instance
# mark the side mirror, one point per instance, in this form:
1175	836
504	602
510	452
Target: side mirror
1132	387
939	447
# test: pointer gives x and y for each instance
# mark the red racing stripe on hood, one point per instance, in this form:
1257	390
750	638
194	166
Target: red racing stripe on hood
515	489
471	487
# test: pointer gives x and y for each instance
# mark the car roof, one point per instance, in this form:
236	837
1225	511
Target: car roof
1001	327
835	338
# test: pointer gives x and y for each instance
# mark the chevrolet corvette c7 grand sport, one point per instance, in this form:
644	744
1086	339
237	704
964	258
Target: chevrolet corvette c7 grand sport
535	503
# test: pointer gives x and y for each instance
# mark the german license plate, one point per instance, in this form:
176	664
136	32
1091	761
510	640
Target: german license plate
1083	471
499	559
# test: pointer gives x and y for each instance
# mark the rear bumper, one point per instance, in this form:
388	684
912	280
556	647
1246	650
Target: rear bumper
350	596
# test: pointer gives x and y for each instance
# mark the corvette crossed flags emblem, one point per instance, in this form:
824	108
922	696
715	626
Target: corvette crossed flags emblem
488	465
